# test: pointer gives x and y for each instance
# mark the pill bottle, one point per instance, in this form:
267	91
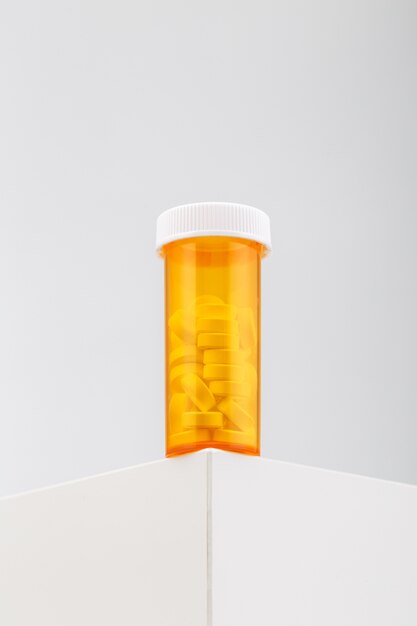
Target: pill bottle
212	253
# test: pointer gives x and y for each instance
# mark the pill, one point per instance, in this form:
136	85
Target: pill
235	437
174	340
178	404
217	340
207	299
228	425
251	377
216	311
183	324
247	327
198	392
224	372
215	325
236	414
206	419
190	437
224	356
248	403
182	370
229	388
185	354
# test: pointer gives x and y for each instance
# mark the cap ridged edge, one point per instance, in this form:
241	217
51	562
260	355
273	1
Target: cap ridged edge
220	219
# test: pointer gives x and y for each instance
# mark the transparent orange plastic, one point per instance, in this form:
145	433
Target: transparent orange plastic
212	349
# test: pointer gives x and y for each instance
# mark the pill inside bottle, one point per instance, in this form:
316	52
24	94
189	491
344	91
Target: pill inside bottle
212	254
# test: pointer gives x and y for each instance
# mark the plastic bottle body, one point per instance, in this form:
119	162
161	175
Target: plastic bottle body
212	321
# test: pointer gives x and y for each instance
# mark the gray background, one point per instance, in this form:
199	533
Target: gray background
111	112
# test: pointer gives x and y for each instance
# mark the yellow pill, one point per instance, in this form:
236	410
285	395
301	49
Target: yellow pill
224	372
216	311
207	299
235	437
184	369
236	414
224	356
251	377
247	327
178	404
190	437
198	392
183	324
229	388
246	403
208	325
207	419
217	340
174	340
185	354
228	425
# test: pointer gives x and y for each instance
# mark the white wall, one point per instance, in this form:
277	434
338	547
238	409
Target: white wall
111	112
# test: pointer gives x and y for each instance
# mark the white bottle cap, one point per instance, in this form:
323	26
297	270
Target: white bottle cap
219	219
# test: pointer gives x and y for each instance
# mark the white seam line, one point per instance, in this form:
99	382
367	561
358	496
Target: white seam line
209	543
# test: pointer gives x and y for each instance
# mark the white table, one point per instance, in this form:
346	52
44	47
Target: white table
211	539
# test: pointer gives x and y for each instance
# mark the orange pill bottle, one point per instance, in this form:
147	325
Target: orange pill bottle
212	253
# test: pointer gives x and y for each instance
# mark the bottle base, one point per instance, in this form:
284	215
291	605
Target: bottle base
195	447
